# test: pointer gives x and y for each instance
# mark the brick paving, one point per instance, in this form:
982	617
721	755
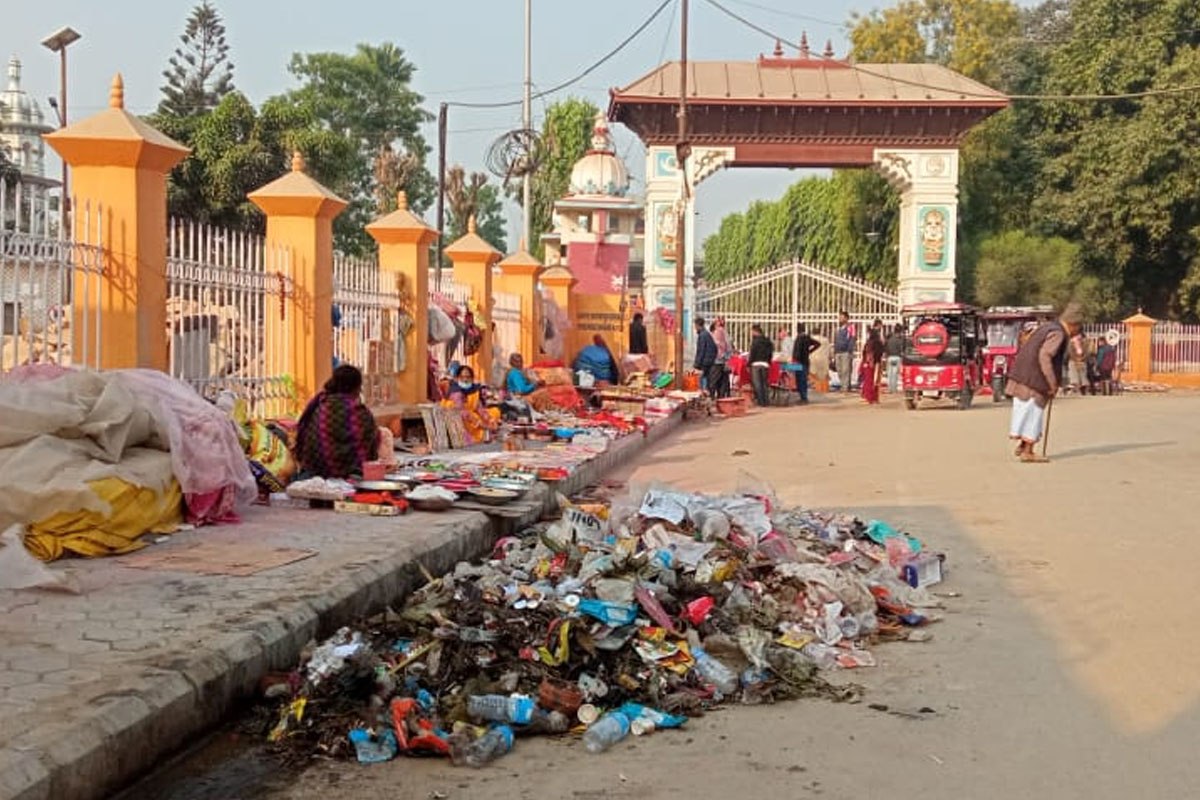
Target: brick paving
96	687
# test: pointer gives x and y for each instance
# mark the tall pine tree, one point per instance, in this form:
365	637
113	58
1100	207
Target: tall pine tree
200	73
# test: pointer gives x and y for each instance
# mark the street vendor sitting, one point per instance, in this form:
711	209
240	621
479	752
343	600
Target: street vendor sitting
468	396
337	433
517	382
597	359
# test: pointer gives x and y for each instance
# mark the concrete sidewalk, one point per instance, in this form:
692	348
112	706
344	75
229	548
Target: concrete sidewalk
98	687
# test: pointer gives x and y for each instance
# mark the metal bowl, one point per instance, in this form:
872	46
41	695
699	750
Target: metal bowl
381	486
431	503
492	497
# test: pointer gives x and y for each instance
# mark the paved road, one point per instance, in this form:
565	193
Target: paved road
1067	669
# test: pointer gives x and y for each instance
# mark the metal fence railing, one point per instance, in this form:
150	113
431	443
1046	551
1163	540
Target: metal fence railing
51	265
1093	331
227	315
1175	348
506	316
366	320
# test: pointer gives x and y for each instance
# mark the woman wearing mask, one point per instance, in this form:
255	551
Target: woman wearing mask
468	397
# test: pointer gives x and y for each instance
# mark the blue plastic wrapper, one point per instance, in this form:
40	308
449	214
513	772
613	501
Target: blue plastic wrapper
661	719
374	749
615	614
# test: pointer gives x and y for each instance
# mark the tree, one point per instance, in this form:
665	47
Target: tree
200	73
236	149
1120	176
474	196
366	98
1018	268
566	136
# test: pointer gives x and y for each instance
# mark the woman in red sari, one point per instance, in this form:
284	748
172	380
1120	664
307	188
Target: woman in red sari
868	372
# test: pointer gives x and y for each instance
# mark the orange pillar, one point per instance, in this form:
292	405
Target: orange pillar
519	275
559	281
473	259
119	167
300	215
404	241
1140	328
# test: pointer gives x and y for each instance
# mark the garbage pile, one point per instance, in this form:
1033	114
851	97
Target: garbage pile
622	616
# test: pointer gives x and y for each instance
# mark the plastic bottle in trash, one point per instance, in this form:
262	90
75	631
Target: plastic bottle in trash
498	708
714	672
607	731
477	752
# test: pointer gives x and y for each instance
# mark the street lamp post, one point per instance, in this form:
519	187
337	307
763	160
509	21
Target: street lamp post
58	42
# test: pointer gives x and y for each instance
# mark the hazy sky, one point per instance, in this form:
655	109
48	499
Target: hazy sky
465	50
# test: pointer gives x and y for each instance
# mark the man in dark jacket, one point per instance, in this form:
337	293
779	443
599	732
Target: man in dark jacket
843	351
802	350
637	337
761	353
706	356
1033	379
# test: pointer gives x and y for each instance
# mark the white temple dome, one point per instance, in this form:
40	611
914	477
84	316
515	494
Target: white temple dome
600	172
16	106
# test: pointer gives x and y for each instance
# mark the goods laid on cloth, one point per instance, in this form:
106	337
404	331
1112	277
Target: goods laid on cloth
620	617
94	460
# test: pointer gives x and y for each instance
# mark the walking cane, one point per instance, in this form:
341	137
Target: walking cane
1046	432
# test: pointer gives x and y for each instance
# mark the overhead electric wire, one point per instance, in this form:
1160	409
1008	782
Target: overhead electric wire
559	87
963	92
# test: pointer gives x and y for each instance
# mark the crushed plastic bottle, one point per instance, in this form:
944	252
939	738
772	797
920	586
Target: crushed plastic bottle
498	708
608	730
475	753
714	672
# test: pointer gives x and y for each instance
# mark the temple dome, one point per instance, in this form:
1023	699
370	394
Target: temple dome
600	172
16	106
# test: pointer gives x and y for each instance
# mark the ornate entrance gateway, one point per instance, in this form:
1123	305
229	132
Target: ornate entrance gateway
903	120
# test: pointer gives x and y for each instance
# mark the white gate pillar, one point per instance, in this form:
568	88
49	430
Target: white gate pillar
661	245
928	184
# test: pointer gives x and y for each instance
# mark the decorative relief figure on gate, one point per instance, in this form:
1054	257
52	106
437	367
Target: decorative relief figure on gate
931	240
666	227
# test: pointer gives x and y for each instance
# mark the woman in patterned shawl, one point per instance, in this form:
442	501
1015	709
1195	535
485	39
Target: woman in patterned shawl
337	432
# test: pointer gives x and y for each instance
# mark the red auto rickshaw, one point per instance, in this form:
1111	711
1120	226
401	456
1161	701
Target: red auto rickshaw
1005	329
941	353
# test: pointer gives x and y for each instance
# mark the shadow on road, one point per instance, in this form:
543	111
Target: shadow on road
1108	449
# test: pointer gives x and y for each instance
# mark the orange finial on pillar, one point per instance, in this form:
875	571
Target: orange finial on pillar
116	93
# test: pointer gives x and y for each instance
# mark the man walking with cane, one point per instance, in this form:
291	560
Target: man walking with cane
1034	378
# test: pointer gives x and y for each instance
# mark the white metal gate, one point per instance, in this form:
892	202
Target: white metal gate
50	273
781	297
227	315
506	316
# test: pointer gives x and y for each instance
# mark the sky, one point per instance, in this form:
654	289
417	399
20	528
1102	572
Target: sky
464	50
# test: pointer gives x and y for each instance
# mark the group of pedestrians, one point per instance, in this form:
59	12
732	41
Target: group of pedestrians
881	357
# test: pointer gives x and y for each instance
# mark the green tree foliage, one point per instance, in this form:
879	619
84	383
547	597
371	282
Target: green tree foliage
1121	176
366	98
1017	268
200	73
467	196
236	149
566	136
819	221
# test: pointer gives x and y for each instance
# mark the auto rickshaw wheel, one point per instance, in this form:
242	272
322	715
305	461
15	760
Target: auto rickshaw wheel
910	401
964	399
998	390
